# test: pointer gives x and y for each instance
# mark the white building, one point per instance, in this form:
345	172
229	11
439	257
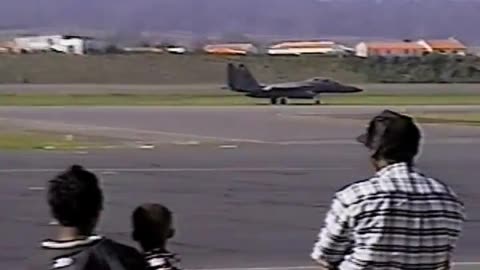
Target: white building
58	43
411	48
390	48
176	50
306	47
444	46
231	48
142	50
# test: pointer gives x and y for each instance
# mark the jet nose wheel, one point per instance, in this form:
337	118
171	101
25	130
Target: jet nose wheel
284	101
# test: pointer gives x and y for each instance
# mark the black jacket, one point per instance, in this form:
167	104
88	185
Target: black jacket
93	253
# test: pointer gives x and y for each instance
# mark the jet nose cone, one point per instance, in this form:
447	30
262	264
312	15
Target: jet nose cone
353	89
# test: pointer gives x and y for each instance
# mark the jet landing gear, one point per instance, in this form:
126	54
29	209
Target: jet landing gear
280	100
285	101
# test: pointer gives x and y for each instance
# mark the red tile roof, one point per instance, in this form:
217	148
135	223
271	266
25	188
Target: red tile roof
232	46
442	44
395	45
225	51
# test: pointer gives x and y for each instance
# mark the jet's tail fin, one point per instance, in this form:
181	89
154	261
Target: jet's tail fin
232	77
247	80
240	79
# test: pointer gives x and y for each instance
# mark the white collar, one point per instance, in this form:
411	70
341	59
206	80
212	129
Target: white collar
71	244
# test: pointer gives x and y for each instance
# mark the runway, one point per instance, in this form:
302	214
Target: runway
264	125
216	89
256	204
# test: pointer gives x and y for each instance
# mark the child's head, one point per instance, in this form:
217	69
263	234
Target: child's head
75	199
152	226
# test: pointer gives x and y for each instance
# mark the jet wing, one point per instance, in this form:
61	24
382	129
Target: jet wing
284	86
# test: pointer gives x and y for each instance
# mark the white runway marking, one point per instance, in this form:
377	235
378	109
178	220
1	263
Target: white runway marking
228	146
147	146
36	188
56	125
53	223
108	173
133	132
118	170
186	142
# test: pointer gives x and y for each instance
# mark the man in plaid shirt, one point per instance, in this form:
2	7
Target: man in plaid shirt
399	219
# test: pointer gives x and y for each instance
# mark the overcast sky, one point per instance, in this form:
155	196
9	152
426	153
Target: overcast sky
389	18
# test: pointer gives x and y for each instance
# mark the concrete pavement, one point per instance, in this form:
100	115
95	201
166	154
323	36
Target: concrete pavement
254	206
257	204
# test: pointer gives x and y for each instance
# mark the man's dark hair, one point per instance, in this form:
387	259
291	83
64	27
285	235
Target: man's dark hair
152	225
392	137
75	198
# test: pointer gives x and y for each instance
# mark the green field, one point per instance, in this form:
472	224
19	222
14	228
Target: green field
161	69
167	69
226	100
22	140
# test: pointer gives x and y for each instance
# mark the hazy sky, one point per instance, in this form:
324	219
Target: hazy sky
390	18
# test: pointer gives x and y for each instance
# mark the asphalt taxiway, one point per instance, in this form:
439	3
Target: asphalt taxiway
251	124
217	88
252	192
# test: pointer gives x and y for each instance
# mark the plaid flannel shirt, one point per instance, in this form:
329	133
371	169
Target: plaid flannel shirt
399	219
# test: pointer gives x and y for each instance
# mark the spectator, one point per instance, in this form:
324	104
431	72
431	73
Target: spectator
152	227
399	218
75	201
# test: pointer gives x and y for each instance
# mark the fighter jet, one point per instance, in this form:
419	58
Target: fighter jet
240	79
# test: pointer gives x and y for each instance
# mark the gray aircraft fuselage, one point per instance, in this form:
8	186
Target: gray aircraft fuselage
302	90
241	80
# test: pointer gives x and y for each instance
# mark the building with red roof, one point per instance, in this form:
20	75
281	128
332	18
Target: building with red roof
444	46
390	48
410	48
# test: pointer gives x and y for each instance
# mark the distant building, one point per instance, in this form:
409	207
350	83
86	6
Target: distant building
390	48
444	46
475	51
306	47
7	47
59	43
231	49
176	50
143	50
411	48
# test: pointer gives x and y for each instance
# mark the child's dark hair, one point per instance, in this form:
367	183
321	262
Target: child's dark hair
75	198
152	225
